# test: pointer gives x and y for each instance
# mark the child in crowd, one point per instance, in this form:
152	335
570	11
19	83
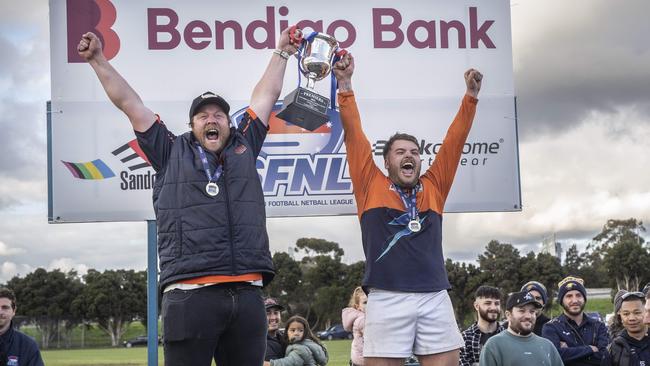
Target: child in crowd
303	349
354	320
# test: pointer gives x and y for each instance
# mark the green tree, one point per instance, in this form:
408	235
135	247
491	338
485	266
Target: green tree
286	284
45	297
628	262
464	279
316	247
544	268
572	261
500	266
113	299
600	272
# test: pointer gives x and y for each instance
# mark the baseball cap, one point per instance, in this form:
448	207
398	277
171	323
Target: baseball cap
520	299
208	98
272	303
537	286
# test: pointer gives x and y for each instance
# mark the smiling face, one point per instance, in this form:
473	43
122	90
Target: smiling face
488	309
403	163
211	127
632	317
273	317
521	319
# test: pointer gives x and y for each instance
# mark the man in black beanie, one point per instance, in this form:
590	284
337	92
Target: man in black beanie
579	339
538	291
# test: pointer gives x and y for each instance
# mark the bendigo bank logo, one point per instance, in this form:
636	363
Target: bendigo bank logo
298	162
97	16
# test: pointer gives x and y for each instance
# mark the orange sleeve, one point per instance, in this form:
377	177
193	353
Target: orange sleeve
361	165
441	173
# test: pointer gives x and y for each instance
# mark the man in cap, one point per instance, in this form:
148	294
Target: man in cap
518	345
275	347
401	222
579	339
631	346
487	303
209	205
538	290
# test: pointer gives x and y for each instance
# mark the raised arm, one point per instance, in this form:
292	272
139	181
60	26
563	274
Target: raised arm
267	91
117	89
359	153
443	169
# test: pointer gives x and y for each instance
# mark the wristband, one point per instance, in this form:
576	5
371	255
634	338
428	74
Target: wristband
284	54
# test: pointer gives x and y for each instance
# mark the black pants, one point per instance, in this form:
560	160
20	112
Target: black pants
226	322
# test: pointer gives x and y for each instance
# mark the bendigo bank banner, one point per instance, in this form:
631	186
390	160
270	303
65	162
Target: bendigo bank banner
410	58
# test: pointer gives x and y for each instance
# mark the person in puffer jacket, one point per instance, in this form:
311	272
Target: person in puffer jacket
303	348
354	320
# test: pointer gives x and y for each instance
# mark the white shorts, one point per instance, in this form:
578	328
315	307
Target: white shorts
399	324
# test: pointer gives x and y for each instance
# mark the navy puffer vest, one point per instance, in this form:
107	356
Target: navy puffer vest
200	235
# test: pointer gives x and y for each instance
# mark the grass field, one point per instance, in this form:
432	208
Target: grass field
339	351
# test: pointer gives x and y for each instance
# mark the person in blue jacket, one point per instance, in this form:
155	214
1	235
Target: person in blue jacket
16	348
579	339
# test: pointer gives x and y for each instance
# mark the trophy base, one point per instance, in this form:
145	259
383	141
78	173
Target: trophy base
305	108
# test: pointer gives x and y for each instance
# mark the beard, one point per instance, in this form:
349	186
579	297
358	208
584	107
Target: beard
573	313
488	316
521	329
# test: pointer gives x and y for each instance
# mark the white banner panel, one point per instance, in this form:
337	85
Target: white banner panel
410	58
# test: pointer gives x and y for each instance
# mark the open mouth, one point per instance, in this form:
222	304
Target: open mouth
408	168
212	134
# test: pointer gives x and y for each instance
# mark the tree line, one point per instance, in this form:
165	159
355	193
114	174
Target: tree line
311	280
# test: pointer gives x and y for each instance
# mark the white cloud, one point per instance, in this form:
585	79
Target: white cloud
6	250
9	269
67	264
572	184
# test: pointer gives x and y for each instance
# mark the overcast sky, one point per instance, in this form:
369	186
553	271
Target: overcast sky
582	77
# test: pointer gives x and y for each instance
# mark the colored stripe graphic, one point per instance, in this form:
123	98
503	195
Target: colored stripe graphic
95	170
134	151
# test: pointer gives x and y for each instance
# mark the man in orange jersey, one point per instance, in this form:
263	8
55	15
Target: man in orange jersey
408	308
212	240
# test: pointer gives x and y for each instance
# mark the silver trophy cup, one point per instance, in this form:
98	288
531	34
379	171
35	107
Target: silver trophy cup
304	107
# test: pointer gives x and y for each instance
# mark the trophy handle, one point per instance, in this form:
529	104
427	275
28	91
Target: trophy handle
295	35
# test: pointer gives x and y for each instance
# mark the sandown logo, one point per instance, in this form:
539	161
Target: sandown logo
95	169
299	162
131	155
97	16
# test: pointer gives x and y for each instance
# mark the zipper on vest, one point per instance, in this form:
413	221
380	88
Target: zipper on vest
225	188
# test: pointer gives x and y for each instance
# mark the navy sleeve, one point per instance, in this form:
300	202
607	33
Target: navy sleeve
602	339
550	332
156	143
254	130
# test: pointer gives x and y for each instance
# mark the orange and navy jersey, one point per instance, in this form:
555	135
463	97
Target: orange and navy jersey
396	258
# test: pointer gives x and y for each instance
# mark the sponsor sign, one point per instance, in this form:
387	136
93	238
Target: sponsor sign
410	58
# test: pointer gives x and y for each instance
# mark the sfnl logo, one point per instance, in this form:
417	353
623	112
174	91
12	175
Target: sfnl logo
97	16
298	162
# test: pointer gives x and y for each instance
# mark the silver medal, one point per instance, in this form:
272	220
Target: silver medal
414	226
212	189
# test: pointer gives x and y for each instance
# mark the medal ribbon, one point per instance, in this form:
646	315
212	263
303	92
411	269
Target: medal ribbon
206	166
409	201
